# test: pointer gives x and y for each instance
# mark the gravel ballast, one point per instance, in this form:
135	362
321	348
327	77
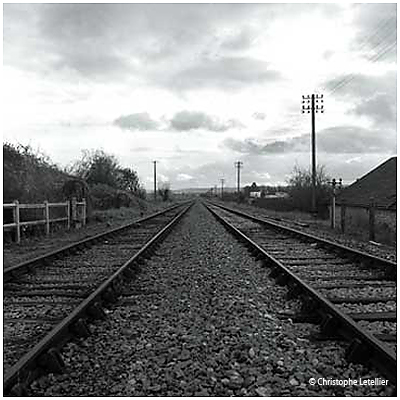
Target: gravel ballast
305	222
201	319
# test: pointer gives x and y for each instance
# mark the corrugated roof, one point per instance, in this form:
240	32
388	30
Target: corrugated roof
378	185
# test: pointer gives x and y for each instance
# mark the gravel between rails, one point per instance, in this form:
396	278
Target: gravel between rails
201	320
75	276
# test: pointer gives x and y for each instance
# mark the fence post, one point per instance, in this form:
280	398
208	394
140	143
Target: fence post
372	221
47	217
333	212
343	217
68	215
16	221
74	211
84	211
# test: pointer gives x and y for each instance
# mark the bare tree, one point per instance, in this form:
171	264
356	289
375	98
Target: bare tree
300	187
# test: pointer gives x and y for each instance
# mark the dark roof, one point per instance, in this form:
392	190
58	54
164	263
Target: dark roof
377	186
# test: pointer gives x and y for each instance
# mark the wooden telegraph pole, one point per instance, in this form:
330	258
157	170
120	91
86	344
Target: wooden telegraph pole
238	165
222	188
313	108
155	180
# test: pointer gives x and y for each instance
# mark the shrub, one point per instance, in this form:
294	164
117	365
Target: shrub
300	189
104	197
29	176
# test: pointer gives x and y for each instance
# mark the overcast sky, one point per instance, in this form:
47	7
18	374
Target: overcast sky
200	86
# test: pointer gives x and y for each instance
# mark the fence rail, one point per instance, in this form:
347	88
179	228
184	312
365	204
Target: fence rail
373	219
75	212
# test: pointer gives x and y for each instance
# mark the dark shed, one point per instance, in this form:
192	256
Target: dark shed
378	186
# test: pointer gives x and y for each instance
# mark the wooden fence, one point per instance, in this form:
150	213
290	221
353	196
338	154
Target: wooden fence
74	212
368	220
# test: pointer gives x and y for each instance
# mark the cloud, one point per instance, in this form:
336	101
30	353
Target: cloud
376	30
223	72
336	140
136	122
178	46
380	108
180	121
141	149
184	177
363	85
108	41
374	97
355	139
247	146
239	40
189	120
259	115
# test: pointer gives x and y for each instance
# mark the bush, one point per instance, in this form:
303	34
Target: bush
104	197
165	192
98	167
300	189
29	176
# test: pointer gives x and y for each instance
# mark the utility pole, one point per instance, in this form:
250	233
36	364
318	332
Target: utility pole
222	188
334	182
155	180
238	165
313	108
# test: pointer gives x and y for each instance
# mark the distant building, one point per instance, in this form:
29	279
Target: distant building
376	189
277	195
253	191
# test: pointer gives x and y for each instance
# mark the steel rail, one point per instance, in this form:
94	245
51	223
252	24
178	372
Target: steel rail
10	271
390	266
364	347
44	354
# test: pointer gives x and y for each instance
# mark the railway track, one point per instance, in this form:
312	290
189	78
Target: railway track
48	299
351	294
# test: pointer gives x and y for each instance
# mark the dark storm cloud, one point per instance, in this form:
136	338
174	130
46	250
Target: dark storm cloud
136	122
189	120
86	37
337	140
151	42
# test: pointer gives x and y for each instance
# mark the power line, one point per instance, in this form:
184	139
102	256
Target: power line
385	48
345	81
380	28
